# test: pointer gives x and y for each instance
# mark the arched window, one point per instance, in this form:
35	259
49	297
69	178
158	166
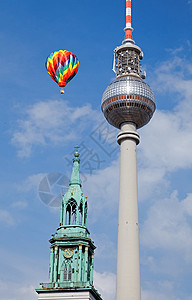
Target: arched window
65	272
67	275
68	215
85	214
74	214
71	212
80	213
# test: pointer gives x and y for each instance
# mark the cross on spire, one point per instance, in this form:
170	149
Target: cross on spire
76	148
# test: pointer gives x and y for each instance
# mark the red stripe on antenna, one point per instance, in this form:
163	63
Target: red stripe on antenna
128	3
128	19
128	34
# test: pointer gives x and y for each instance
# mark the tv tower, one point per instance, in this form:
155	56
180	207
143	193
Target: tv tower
128	103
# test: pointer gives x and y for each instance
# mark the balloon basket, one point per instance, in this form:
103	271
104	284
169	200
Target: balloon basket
62	91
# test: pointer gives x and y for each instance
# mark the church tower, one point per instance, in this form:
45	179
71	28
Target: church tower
72	250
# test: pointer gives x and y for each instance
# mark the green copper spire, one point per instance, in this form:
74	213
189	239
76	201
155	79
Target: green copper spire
74	204
72	250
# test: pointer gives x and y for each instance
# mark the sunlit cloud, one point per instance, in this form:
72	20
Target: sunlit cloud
51	123
105	283
168	226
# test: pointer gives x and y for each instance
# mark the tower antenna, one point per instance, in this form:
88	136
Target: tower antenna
128	29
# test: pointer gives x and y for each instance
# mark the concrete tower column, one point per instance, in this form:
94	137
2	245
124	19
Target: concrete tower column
128	266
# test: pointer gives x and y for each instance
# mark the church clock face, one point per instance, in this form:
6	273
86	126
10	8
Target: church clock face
68	253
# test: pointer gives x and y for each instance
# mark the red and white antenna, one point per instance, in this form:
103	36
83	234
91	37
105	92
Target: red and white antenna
128	29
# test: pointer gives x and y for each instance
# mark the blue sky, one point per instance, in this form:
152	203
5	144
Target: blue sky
40	127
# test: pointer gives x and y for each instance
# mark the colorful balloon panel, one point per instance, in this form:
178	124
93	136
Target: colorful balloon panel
62	66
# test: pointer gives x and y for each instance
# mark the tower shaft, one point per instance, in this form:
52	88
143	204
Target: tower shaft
128	266
128	103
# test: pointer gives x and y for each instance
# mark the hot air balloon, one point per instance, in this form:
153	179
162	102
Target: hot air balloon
62	66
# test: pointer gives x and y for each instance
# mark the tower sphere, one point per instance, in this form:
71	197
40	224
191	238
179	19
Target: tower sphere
128	99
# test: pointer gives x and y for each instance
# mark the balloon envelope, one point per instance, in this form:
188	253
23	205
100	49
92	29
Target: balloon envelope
62	66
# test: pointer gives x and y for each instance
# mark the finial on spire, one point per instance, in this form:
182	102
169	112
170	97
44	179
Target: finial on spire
128	29
76	154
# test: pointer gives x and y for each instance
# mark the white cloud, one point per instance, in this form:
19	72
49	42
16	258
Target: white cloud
51	122
20	274
6	218
167	140
151	181
174	76
105	283
17	291
19	204
168	226
163	290
175	51
166	143
153	294
102	189
166	233
30	183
